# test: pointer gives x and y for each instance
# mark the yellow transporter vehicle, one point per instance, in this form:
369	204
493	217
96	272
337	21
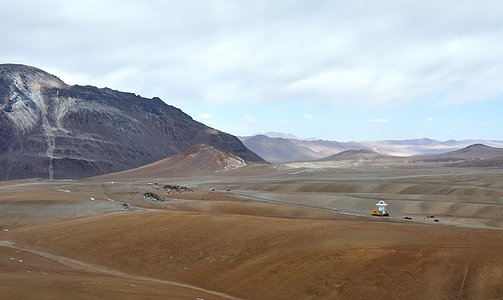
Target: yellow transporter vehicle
381	209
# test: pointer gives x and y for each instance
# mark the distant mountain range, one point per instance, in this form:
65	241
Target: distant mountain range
206	160
273	134
52	130
477	155
280	150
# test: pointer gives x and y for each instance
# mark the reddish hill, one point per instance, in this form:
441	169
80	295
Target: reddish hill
197	160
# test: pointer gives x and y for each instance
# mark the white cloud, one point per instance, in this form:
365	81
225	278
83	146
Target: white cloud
336	82
307	116
284	121
383	53
207	119
205	116
252	119
378	120
429	120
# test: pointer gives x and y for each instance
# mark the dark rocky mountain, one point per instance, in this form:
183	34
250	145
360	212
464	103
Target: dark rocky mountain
49	129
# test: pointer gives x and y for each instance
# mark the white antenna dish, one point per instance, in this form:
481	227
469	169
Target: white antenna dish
381	207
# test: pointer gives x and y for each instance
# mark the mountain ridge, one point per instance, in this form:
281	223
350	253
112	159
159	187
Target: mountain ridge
52	130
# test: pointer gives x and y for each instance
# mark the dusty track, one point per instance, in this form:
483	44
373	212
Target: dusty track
79	265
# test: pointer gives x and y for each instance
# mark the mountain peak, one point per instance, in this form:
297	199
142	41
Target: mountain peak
20	68
23	74
281	135
354	155
52	130
476	148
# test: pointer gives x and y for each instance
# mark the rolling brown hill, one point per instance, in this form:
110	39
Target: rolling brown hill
253	257
279	235
472	152
363	154
197	160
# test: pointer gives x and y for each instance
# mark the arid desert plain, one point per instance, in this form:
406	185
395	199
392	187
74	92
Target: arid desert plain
291	231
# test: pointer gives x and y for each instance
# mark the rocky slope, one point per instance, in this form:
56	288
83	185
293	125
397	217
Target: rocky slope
51	130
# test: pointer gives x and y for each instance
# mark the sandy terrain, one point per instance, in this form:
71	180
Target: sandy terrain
269	232
29	274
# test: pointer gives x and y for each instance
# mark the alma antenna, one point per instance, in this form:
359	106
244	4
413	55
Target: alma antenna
381	209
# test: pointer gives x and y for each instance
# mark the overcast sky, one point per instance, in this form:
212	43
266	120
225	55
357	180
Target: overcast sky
338	70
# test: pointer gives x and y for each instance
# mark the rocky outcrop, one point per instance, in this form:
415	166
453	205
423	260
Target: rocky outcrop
51	130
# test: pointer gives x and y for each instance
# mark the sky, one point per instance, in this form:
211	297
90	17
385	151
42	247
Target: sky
334	70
